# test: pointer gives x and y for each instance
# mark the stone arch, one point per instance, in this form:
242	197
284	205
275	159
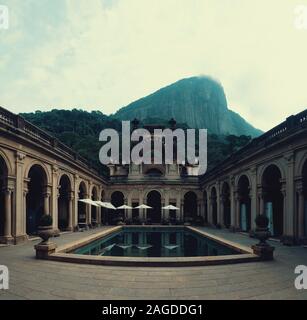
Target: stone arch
244	174
37	200
7	162
65	189
299	163
42	165
70	178
154	170
152	189
117	199
277	163
273	198
154	200
243	187
102	195
190	205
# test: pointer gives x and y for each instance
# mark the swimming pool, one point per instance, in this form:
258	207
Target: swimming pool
155	242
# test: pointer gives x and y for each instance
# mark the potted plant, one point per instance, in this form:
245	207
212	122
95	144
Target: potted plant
262	233
45	230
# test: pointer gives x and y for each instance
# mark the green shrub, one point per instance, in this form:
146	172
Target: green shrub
46	220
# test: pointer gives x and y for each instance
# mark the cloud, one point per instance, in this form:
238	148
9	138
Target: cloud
104	54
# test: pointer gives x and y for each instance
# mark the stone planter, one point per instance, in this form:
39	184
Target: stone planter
45	232
262	234
46	247
263	249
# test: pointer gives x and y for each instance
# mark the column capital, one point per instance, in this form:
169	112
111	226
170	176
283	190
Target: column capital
283	191
71	195
289	157
20	156
25	191
55	169
299	186
7	190
46	194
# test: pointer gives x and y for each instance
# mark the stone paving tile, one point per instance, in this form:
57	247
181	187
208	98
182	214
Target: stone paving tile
38	279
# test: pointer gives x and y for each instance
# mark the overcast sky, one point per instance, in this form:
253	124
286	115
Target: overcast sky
103	54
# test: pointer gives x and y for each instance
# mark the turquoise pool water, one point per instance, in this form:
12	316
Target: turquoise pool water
155	242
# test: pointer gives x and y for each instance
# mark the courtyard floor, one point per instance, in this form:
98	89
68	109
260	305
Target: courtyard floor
39	279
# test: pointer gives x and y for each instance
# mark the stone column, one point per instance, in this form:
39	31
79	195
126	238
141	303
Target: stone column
178	205
261	198
220	216
141	211
253	197
20	200
54	194
8	215
87	211
24	205
238	211
210	213
289	204
165	213
232	203
182	209
129	203
285	225
46	196
70	211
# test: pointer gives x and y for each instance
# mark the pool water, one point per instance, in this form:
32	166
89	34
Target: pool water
155	242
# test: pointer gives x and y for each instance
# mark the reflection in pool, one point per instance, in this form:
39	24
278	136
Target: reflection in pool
155	242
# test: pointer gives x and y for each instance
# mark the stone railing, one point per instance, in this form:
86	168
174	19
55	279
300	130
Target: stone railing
17	123
290	125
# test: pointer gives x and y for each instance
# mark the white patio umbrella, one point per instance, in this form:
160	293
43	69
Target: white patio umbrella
89	201
107	205
124	206
143	206
170	207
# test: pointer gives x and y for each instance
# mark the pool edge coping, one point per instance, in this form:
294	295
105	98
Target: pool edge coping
245	254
